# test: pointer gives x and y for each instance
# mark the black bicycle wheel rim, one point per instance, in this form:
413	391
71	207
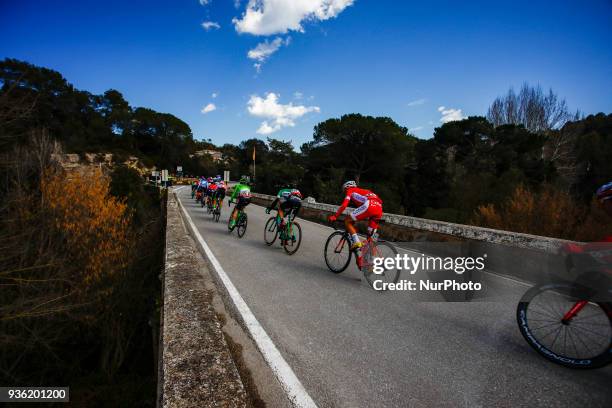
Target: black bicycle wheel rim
342	266
528	320
242	226
290	246
372	277
268	229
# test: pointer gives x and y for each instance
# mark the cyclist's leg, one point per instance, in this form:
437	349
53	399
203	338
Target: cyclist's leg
234	214
237	207
349	225
280	209
292	208
374	214
221	197
297	206
240	205
359	214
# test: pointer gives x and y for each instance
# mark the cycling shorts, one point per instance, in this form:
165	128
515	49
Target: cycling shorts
291	204
220	193
371	210
242	202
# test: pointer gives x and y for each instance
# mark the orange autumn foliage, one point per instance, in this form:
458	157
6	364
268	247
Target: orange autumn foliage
93	225
549	212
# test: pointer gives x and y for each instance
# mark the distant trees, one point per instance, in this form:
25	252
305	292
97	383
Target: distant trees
528	139
371	150
592	153
531	107
469	162
33	97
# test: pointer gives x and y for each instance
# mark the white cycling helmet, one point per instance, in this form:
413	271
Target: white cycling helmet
347	184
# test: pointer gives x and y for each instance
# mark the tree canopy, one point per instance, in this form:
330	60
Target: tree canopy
529	139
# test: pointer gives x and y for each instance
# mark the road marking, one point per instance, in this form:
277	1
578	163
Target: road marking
296	393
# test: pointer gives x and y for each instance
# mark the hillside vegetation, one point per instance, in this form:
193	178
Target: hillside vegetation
469	171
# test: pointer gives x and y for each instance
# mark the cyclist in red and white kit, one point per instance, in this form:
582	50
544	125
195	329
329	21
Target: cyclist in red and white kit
369	207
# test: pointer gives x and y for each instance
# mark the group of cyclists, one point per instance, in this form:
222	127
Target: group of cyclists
288	202
212	190
587	284
209	190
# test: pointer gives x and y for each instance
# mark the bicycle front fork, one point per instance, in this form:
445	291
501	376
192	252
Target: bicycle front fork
578	306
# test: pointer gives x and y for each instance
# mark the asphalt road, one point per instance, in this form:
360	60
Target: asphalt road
353	347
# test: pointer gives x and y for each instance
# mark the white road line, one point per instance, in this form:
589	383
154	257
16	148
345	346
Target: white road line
297	394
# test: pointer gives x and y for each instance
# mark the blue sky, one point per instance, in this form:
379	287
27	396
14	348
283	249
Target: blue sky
390	58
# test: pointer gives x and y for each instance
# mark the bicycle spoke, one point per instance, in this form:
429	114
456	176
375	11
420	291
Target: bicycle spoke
583	343
550	332
595	339
590	317
546	325
542	313
588	331
555	339
573	343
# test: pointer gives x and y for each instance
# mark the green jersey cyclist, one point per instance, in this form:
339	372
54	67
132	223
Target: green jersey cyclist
242	197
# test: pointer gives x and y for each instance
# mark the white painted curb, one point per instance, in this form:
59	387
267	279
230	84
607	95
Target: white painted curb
297	394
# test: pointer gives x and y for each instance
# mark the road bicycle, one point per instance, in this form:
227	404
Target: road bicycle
562	324
289	232
241	222
338	254
570	322
216	211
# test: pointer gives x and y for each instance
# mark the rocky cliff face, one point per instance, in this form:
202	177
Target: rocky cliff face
102	160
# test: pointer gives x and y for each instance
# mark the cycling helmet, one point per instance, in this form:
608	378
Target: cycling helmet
210	180
243	180
348	184
604	192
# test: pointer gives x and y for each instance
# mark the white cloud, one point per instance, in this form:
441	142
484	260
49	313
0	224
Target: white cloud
267	17
237	4
415	129
417	102
209	108
214	95
276	115
450	114
210	25
265	49
204	2
298	95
